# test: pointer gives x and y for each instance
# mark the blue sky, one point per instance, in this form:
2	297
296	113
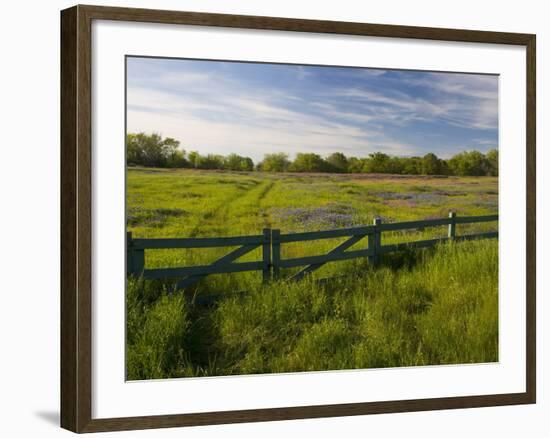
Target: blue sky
252	109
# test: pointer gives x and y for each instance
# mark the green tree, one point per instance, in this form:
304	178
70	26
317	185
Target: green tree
378	163
134	152
431	165
277	162
492	159
355	165
470	163
411	165
210	161
338	162
177	159
232	162
193	157
396	165
308	163
236	162
247	164
149	149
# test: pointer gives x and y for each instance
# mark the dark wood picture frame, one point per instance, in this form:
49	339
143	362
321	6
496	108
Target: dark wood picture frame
76	218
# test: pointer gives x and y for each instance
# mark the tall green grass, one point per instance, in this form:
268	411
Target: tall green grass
425	307
157	331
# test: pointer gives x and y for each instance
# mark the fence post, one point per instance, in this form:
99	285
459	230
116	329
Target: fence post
276	253
375	241
451	233
135	258
129	253
266	254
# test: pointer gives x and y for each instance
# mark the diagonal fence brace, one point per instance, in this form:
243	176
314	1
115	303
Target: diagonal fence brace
337	250
225	260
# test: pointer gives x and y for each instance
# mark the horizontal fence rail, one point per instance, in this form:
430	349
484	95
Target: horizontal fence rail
271	241
135	263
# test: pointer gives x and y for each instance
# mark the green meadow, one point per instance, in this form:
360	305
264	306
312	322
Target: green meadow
418	307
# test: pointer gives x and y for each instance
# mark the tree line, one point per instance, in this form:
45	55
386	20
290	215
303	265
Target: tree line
154	151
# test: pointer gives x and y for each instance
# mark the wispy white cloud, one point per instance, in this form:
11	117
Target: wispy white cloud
467	100
255	126
475	108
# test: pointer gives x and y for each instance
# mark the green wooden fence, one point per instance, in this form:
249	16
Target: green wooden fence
271	241
135	259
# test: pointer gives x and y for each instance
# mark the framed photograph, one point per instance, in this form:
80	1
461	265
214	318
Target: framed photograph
271	218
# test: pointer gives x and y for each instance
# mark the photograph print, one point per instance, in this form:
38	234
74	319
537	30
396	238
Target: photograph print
296	218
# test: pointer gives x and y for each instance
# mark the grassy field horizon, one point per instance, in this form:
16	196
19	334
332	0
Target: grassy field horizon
158	199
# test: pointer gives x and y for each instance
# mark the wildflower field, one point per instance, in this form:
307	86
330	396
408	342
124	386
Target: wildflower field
418	307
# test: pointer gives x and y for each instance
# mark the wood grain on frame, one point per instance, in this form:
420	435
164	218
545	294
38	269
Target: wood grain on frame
76	299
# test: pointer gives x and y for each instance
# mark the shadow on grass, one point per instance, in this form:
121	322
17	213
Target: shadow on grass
406	259
201	343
